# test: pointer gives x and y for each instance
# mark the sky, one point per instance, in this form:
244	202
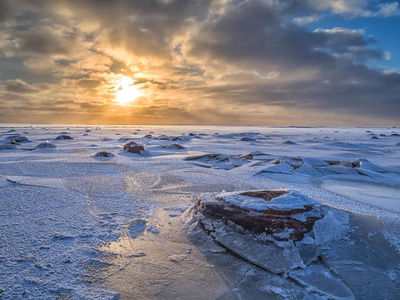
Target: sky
201	62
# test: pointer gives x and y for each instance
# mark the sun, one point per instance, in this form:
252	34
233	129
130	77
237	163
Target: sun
126	91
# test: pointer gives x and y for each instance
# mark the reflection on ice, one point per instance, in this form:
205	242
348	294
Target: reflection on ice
160	266
374	195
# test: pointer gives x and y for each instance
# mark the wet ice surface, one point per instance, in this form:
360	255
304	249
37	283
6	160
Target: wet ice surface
374	195
73	224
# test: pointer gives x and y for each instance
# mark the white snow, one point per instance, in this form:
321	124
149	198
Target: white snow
66	217
290	201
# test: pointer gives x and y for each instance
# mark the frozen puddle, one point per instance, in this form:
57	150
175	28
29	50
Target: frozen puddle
378	196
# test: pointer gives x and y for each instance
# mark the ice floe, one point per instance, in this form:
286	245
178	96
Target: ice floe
258	226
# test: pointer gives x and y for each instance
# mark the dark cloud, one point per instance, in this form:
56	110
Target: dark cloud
5	11
254	34
64	62
361	92
41	41
20	87
88	83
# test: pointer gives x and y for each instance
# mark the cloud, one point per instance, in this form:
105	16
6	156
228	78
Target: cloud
384	10
4	11
272	45
88	83
387	55
41	41
307	20
355	8
21	87
269	44
197	61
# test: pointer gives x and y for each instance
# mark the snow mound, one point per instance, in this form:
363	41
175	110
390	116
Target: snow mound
17	138
103	154
133	147
64	137
46	145
174	146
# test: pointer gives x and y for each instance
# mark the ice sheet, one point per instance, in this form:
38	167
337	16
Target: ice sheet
374	195
69	221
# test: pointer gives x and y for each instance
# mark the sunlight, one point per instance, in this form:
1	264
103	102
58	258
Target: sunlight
126	91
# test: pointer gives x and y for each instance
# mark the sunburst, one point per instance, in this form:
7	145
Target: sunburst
127	91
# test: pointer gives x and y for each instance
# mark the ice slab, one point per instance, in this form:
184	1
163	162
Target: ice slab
283	167
259	284
328	229
308	249
366	262
318	278
291	200
265	255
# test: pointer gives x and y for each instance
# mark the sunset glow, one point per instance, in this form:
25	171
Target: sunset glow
220	62
127	91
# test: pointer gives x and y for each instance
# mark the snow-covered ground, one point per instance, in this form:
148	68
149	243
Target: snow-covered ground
75	225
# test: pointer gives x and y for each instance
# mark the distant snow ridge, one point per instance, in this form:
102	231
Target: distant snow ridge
174	146
244	136
319	168
163	137
310	166
218	161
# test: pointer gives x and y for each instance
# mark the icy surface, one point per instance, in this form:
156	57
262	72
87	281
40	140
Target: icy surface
290	201
375	195
365	261
266	255
328	229
74	225
320	279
